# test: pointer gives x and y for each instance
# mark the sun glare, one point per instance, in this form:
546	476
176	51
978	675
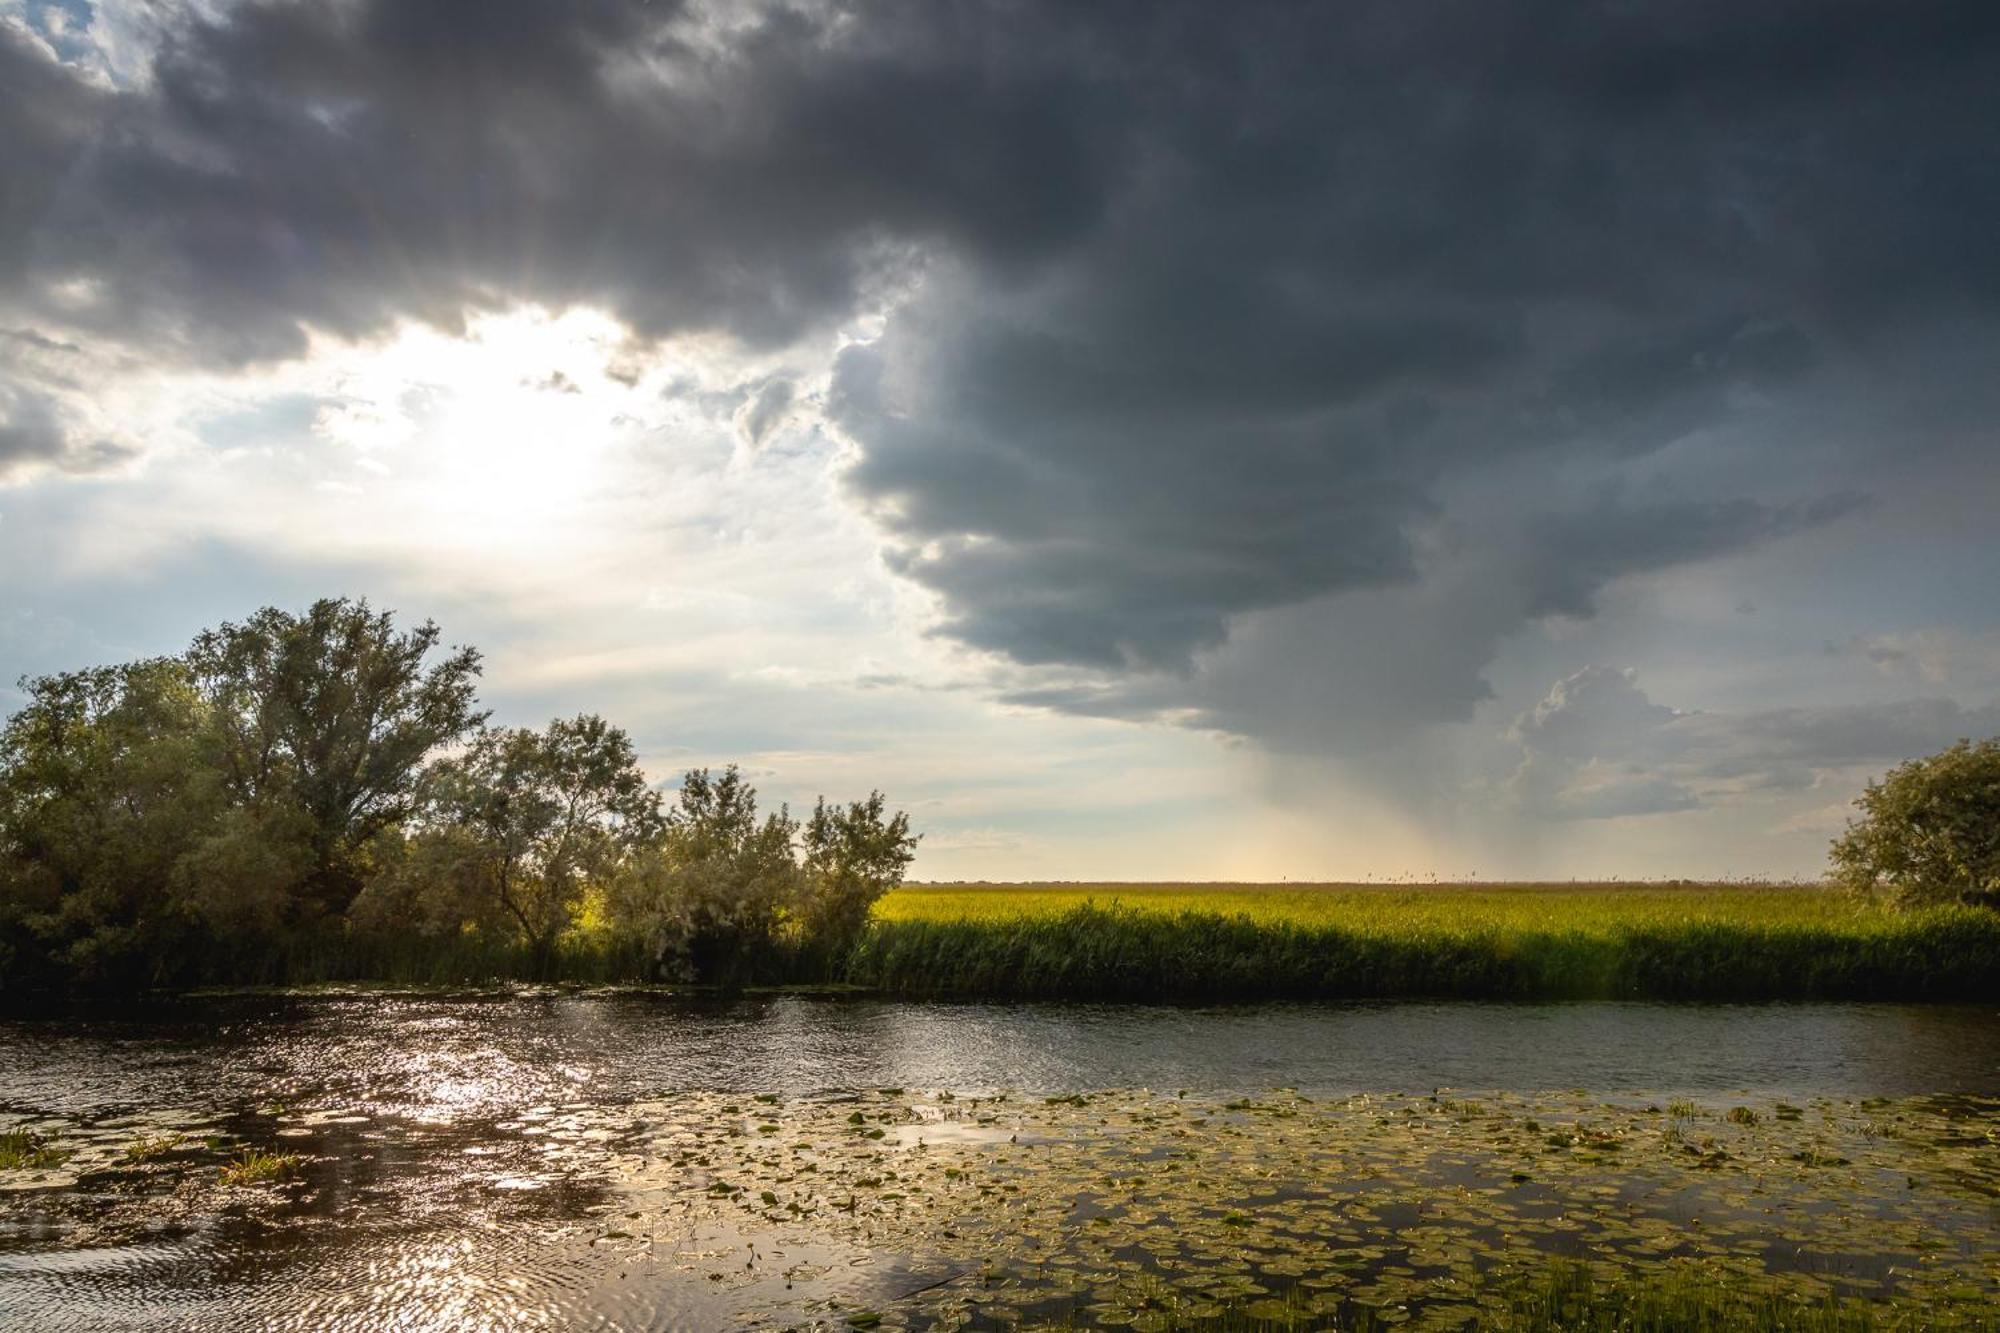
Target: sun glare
498	433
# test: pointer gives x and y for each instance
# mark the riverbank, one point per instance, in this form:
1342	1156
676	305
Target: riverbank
1224	943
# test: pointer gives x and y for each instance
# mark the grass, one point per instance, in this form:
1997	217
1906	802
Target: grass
1582	905
1513	941
1224	942
257	1167
24	1150
152	1147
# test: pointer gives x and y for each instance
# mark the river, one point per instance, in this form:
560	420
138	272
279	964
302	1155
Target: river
463	1160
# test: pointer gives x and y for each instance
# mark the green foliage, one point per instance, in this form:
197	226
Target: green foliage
1566	1296
258	1167
103	792
270	807
330	714
1929	832
725	897
853	854
24	1150
710	896
241	876
153	1147
523	822
194	818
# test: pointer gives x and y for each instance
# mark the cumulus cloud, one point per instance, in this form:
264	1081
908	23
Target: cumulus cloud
1598	747
1259	369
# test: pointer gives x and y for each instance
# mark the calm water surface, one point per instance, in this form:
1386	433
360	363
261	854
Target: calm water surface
421	1055
453	1143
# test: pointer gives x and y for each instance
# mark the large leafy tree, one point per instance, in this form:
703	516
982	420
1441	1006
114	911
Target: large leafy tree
1929	832
525	821
325	719
105	788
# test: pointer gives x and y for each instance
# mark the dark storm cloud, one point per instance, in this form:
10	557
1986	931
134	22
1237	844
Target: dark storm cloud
1374	321
1366	259
340	165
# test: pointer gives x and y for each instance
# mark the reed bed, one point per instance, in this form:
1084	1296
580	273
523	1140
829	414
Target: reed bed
1181	942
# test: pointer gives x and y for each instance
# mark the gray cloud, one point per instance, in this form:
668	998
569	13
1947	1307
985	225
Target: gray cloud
1365	266
342	165
766	407
34	432
1265	368
29	430
1597	747
1596	713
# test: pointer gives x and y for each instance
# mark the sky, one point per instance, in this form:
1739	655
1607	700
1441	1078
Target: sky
1146	440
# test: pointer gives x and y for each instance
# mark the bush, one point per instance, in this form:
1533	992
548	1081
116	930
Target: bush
1929	832
724	897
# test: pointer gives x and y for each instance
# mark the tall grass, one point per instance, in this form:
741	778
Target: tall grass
1174	942
1170	942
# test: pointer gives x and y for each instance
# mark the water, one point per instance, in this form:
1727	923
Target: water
464	1157
437	1056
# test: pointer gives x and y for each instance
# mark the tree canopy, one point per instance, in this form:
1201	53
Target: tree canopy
331	714
323	785
1929	831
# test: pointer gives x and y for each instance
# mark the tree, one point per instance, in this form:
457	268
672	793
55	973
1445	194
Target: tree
330	715
524	821
709	896
1930	831
853	855
104	789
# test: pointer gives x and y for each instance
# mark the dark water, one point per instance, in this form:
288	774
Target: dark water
434	1056
457	1149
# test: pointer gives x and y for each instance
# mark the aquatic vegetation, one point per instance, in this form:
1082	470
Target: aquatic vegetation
1563	1297
1181	1210
152	1147
1142	942
258	1167
25	1150
1143	1210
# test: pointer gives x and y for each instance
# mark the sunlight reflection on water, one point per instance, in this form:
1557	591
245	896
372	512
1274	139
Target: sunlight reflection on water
466	1160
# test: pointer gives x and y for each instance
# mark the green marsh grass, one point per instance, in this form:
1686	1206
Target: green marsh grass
152	1147
257	1167
24	1150
1182	942
1585	941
